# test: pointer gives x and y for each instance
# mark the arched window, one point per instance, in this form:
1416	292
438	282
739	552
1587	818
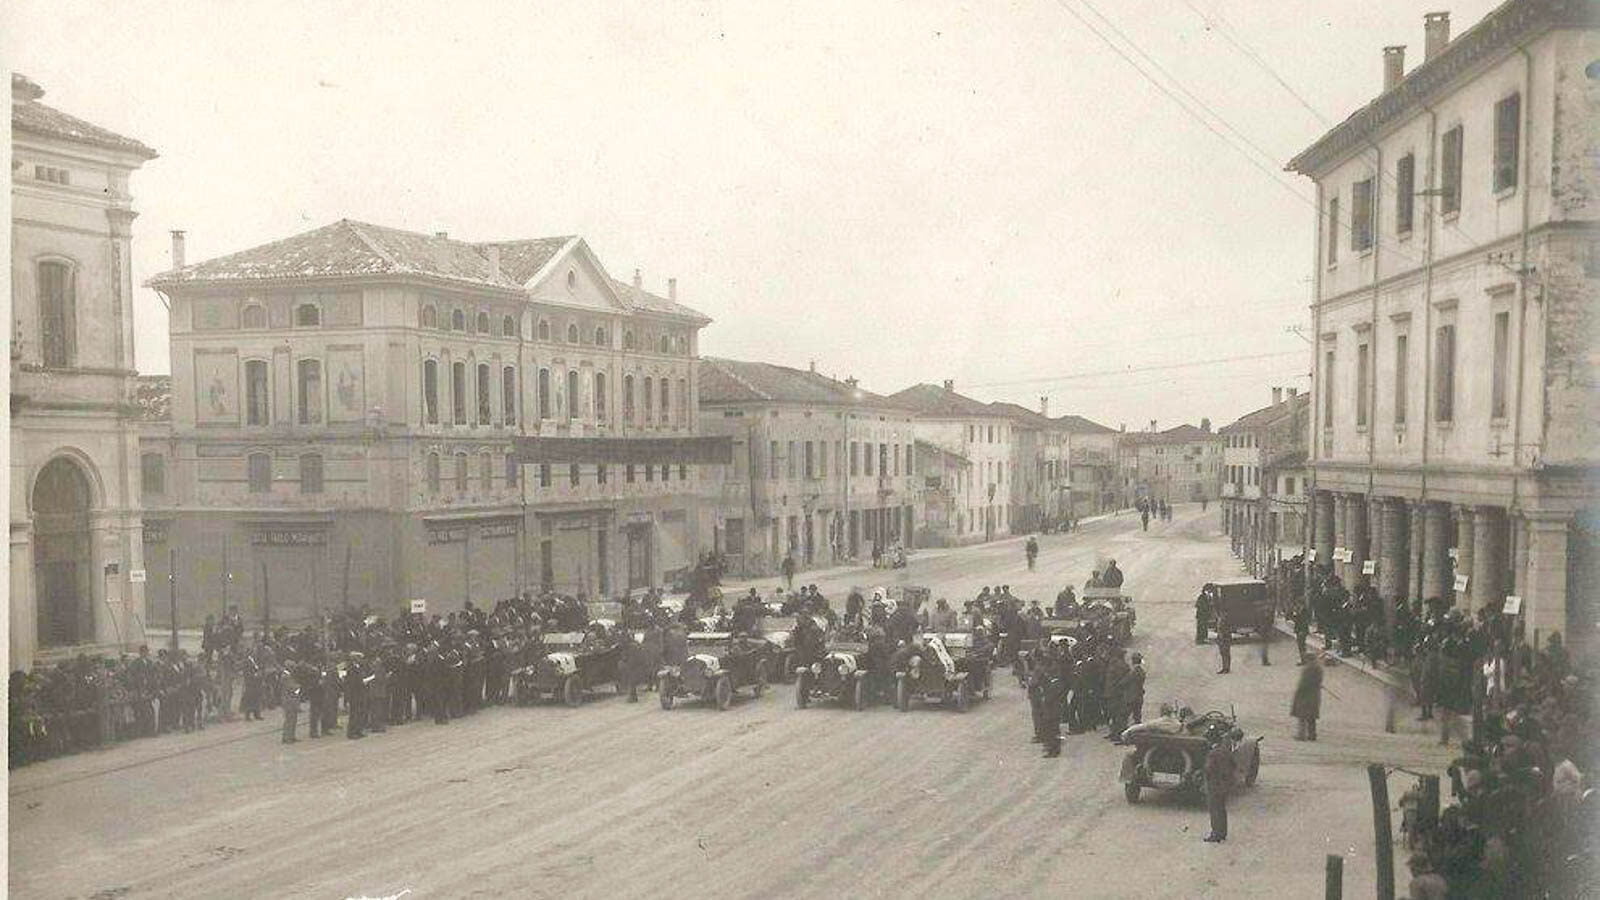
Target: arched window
666	344
600	337
485	409
61	541
58	314
309	381
508	395
600	396
311	473
683	403
666	407
430	392
430	317
572	333
649	395
574	474
627	399
628	341
508	327
572	280
458	393
572	394
433	473
483	323
461	473
486	471
458	320
260	465
307	315
257	393
255	316
544	393
153	474
544	329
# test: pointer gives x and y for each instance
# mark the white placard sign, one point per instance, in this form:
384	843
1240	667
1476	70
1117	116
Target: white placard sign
1461	582
137	576
1311	555
1370	567
419	606
1512	606
1453	553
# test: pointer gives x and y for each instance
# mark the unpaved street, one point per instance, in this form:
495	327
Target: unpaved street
618	799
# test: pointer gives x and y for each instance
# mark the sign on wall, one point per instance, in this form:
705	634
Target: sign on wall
289	537
1369	567
498	529
1461	582
453	534
216	386
419	606
347	385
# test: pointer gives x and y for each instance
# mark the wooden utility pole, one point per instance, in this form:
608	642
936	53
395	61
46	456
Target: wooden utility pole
172	580
1382	831
266	600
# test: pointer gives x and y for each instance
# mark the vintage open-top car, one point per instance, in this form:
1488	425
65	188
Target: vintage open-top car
842	675
1109	611
948	670
779	632
573	664
717	663
1169	753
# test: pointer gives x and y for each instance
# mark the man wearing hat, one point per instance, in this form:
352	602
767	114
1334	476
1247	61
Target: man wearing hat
355	694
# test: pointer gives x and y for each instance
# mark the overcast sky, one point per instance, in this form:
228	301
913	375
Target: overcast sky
905	192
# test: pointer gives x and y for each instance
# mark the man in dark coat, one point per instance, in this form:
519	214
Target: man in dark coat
1307	704
1219	781
1202	614
1224	642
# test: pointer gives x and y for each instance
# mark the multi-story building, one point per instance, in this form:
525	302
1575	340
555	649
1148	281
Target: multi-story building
1091	466
345	408
1177	465
982	435
1263	466
77	568
823	470
941	479
1455	436
1040	478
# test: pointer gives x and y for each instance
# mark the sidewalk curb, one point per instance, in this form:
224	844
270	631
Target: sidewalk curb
1388	676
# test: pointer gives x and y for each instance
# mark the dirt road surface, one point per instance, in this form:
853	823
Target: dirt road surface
620	799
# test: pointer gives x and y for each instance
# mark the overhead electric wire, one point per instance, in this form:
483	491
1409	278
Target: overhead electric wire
1048	379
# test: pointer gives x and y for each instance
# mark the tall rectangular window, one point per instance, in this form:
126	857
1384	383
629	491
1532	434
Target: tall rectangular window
647	399
627	399
599	396
772	459
486	470
1333	230
153	474
508	394
1502	359
1444	374
256	410
822	459
855	458
1327	388
574	397
430	392
811	471
1401	372
866	459
1450	171
883	459
544	393
666	405
1405	192
1363	362
310	389
1361	216
513	470
58	314
793	460
311	473
461	473
485	409
1507	141
260	465
458	393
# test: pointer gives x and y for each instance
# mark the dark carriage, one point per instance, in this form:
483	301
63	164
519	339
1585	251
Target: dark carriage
1169	753
716	664
1246	603
947	671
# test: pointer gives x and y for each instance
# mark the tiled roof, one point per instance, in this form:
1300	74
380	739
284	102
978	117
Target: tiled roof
30	116
1021	414
655	302
152	394
940	448
934	402
521	260
737	381
1266	415
1182	434
1080	425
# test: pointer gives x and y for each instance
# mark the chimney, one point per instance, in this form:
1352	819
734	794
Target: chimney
1277	396
494	262
638	281
1394	66
177	249
1122	427
1044	407
1435	34
672	289
1205	425
1293	392
813	367
851	381
949	384
442	234
1152	426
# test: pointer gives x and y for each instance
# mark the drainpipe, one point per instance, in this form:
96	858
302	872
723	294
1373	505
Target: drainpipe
1314	420
1428	195
1523	272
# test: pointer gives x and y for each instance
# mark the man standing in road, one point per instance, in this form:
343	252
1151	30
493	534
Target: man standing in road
787	568
1202	614
1032	551
1219	780
1307	703
290	701
1224	642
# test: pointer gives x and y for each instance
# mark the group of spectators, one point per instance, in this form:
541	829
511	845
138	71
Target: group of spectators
1519	820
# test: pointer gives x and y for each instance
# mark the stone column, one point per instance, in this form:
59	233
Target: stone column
1435	559
1322	525
1373	547
1488	556
1544	595
1341	524
1394	555
1355	533
1464	550
1418	514
1518	526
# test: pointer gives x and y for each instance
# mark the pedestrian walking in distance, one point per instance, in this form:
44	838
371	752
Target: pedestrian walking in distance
290	701
1219	781
1307	703
1224	642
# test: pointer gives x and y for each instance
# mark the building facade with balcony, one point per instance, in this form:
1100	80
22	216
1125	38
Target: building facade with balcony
822	471
983	436
345	404
1182	464
1456	264
1263	480
76	551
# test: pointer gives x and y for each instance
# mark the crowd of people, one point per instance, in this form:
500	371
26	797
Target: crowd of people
1519	821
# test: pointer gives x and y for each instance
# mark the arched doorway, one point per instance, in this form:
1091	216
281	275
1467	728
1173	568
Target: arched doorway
61	548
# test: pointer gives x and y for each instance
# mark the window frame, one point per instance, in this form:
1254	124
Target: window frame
1452	149
301	307
250	406
1507	147
312	477
303	413
259	482
62	338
